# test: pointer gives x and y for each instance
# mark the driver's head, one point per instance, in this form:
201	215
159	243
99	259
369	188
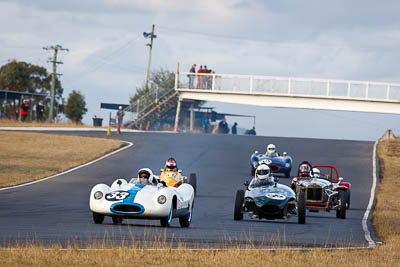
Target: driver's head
271	148
304	170
171	165
262	172
145	176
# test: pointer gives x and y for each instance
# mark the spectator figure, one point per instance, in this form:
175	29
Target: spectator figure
3	110
148	125
252	131
205	122
24	110
200	78
205	77
234	129
39	111
208	79
192	76
120	117
223	127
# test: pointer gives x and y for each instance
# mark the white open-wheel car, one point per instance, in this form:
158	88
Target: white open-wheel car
133	200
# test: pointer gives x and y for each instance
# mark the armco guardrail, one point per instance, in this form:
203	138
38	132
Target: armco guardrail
373	91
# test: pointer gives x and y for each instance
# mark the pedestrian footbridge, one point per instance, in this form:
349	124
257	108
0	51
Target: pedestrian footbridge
282	92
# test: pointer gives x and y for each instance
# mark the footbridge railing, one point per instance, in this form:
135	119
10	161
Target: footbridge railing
281	86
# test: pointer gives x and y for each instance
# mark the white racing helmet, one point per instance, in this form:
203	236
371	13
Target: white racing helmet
262	172
152	179
271	148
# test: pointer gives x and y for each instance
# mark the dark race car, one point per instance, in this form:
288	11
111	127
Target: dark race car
323	189
269	201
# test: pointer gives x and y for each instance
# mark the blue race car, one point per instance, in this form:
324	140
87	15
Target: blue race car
277	163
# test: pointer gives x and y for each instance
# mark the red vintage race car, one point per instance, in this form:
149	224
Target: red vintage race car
324	189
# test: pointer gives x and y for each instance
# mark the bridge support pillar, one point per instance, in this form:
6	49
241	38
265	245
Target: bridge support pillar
178	110
191	116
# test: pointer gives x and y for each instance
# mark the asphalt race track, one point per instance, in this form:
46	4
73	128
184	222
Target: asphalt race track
56	211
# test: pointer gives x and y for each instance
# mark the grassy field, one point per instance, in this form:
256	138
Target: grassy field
386	221
26	157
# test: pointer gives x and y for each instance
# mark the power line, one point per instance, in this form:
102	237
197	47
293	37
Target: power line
173	31
104	60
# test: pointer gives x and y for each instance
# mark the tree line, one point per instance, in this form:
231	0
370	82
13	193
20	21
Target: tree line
19	76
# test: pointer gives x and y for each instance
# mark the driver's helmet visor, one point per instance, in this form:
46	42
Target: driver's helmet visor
262	172
171	167
144	175
271	149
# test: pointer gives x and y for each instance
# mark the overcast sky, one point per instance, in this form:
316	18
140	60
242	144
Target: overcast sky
350	40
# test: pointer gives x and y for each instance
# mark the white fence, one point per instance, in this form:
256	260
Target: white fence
289	86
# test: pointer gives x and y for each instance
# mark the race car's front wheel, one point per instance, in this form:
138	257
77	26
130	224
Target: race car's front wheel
185	221
341	209
238	212
98	218
166	221
193	182
117	219
301	208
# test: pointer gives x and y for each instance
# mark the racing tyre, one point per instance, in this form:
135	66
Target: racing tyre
301	208
341	209
185	221
98	218
117	219
166	221
252	171
193	182
287	174
348	199
238	212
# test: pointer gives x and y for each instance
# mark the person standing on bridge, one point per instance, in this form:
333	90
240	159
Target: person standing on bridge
120	117
200	78
191	75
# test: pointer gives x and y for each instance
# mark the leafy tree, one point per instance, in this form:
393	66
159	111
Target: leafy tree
162	79
25	77
75	107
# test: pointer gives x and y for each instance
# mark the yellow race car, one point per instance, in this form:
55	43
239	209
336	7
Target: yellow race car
172	176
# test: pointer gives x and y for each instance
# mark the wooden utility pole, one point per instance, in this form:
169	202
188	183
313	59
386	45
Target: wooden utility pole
152	36
53	76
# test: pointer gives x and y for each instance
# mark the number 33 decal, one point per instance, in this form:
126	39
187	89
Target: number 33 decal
117	195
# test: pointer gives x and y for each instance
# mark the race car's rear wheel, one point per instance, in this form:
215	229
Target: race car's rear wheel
98	218
166	221
301	208
117	219
193	182
238	212
287	174
348	199
341	209
185	221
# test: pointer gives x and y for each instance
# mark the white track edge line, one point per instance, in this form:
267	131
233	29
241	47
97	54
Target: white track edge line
71	170
367	234
199	249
